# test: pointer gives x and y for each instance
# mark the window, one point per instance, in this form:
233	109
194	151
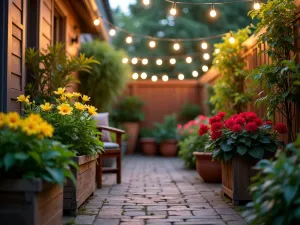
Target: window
59	29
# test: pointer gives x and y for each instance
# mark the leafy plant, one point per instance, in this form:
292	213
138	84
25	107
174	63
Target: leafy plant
106	80
276	190
231	93
53	69
189	112
210	92
242	134
129	110
167	129
280	79
26	152
146	132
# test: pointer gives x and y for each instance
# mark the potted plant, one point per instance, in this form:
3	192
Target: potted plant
75	126
33	169
189	112
239	142
148	142
165	134
129	114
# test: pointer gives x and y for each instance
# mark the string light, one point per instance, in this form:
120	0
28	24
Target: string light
159	62
195	73
145	61
232	40
204	68
125	60
189	59
204	45
143	75
173	10
172	61
256	5
129	40
152	44
154	78
112	32
217	50
176	46
213	12
206	56
135	76
96	22
134	61
165	78
146	2
181	76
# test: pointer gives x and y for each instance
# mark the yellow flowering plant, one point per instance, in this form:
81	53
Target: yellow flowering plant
72	119
26	150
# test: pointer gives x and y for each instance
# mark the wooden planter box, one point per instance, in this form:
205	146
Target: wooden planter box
86	184
30	202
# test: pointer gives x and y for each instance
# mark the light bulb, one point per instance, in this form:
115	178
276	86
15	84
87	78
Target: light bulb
154	78
217	61
146	2
181	76
189	59
145	61
134	61
125	60
165	78
195	73
129	40
143	75
159	62
176	46
135	76
204	68
204	45
256	6
213	13
217	50
112	32
152	44
206	56
231	40
173	11
96	22
172	61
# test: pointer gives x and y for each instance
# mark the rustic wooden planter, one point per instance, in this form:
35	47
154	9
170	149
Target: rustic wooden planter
86	184
30	202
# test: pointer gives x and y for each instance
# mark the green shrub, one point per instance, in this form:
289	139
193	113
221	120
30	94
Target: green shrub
146	132
166	130
106	80
189	112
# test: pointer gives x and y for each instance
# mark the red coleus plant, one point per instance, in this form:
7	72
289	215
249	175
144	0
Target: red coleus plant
245	134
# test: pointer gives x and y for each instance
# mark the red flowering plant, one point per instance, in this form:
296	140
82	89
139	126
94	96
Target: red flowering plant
191	127
242	134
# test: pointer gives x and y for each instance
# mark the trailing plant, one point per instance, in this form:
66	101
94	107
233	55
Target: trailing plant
280	79
243	134
276	190
107	80
53	68
167	129
27	152
231	92
189	112
72	119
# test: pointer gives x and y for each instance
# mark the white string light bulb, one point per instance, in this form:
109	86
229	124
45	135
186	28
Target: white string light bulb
204	45
217	50
135	76
188	59
159	62
144	75
165	78
125	60
145	61
173	10
232	40
213	12
172	61
176	46
129	40
181	76
146	2
154	78
152	44
112	32
134	61
96	22
256	5
195	73
204	68
206	56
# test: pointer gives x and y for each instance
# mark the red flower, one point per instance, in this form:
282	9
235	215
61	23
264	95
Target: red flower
203	129
251	127
258	121
179	127
236	128
268	122
216	135
281	128
216	126
222	114
229	123
214	119
250	116
240	120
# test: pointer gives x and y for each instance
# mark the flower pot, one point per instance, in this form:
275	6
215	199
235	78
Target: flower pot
30	202
86	184
208	170
168	148
132	129
149	146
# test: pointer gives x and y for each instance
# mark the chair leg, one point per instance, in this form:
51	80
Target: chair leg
119	172
99	172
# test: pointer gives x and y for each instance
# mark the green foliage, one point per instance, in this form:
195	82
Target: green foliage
280	80
276	190
189	112
210	105
191	144
146	132
129	110
231	92
106	80
167	129
53	69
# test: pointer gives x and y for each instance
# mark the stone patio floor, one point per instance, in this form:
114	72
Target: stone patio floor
160	191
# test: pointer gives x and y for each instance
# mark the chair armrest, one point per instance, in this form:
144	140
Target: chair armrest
111	129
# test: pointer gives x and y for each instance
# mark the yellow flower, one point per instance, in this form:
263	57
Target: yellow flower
46	129
23	98
46	107
35	117
13	120
2	119
63	98
69	95
76	94
79	106
92	110
65	109
85	98
30	126
60	91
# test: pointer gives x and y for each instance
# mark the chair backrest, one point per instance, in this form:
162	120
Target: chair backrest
102	120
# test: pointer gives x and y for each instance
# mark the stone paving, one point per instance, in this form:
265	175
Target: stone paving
157	191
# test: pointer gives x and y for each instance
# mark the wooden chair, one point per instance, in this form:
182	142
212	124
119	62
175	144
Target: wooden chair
112	150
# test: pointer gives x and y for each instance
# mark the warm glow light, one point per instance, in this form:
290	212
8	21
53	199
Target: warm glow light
96	22
206	56
159	62
146	2
145	61
173	11
129	40
217	51
176	46
125	60
256	6
204	45
217	61
172	61
135	76
231	40
154	78
204	68
152	44
195	73
134	61
165	78
143	75
112	32
181	76
189	59
213	13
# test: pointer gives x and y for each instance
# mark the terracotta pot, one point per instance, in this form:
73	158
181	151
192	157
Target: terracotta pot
132	129
208	170
168	148
149	146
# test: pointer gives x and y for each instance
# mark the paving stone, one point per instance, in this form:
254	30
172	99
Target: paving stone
107	222
134	213
226	211
84	219
180	213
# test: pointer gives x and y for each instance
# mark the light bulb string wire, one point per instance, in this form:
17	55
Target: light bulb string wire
170	74
207	3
